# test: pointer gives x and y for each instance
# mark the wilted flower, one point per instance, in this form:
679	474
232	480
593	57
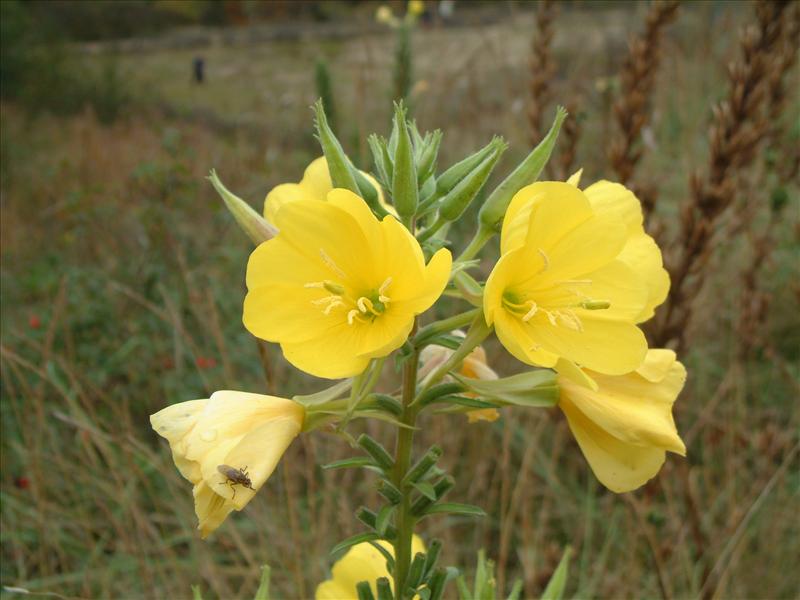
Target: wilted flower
231	430
474	366
361	563
315	185
336	287
564	287
624	426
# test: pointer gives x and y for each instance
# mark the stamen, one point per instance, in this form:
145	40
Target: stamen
596	304
331	306
570	320
385	285
354	315
534	309
325	300
365	305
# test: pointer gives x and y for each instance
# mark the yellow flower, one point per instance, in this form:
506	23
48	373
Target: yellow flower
361	563
624	426
385	16
315	185
475	366
336	287
564	286
416	7
231	431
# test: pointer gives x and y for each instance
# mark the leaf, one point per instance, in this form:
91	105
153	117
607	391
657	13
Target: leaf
262	593
353	540
386	554
426	489
326	395
532	388
196	594
555	587
456	508
384	517
516	590
348	463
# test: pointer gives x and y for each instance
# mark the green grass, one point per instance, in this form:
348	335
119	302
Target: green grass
113	240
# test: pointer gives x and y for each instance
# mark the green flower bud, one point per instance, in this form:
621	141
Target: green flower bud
457	199
405	194
426	163
341	171
257	228
450	178
493	210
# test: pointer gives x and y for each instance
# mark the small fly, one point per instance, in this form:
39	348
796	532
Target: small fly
235	477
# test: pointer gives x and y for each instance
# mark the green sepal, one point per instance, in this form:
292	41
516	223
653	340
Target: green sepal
257	228
532	388
466	401
528	171
380	156
470	289
426	162
353	540
558	581
339	166
386	402
364	591
405	193
459	198
326	395
368	192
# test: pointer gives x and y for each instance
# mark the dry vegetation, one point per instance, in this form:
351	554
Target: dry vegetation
122	282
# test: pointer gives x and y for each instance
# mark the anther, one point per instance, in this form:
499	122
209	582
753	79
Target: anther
330	263
530	314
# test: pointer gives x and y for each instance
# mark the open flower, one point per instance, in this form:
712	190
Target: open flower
227	446
624	427
361	563
315	185
474	366
563	287
336	287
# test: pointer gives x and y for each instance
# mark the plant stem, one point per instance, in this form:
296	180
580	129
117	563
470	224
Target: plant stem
483	235
444	326
402	459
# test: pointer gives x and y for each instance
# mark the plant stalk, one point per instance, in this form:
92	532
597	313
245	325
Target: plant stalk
402	459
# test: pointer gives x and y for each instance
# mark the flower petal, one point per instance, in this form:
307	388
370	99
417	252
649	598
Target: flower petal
280	195
616	201
643	256
333	355
657	364
211	508
619	466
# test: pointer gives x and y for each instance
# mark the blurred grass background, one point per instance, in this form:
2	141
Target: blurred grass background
123	278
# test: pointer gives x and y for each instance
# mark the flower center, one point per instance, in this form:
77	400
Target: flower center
364	308
526	308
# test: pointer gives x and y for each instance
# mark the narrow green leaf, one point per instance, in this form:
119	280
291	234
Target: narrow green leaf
384	517
532	388
558	582
456	508
376	451
426	489
348	463
463	590
196	594
384	589
363	591
516	590
386	554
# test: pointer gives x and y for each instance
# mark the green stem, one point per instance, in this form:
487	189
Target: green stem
478	332
402	459
444	326
483	235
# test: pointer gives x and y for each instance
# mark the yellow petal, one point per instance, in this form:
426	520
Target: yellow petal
175	421
575	178
430	287
332	356
616	201
544	212
618	465
606	346
572	372
517	338
657	364
281	195
360	563
211	508
483	414
317	179
643	256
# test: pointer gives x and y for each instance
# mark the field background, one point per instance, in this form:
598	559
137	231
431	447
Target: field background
123	279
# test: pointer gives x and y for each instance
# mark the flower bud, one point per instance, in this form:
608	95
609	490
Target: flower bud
493	210
405	194
450	178
253	224
426	163
341	171
457	199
